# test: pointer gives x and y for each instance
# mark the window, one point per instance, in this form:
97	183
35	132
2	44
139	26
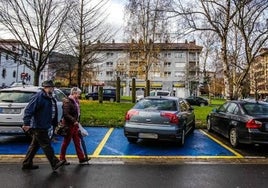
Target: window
179	65
109	64
231	108
13	48
36	57
7	57
109	54
180	55
179	74
4	73
109	73
167	74
167	55
167	64
14	74
223	107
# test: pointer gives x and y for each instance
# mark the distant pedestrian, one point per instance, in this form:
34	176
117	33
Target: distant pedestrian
71	116
40	114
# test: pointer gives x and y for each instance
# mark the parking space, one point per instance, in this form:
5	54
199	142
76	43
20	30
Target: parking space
109	142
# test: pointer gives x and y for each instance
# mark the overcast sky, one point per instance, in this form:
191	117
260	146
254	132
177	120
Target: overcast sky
116	16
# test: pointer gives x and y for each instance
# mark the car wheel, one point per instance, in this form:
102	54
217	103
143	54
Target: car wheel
90	98
111	99
202	104
209	126
233	137
132	140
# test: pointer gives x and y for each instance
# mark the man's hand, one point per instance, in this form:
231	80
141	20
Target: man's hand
26	128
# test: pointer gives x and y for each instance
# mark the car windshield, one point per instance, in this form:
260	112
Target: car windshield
256	108
156	104
16	96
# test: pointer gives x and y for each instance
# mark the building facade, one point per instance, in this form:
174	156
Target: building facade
259	74
175	67
12	64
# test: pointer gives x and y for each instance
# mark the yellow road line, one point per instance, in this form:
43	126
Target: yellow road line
222	144
102	143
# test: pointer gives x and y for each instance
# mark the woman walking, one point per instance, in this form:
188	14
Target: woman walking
71	115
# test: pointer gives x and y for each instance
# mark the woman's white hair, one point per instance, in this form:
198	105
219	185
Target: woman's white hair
75	90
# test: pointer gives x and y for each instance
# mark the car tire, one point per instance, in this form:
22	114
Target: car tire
233	137
132	140
209	126
202	104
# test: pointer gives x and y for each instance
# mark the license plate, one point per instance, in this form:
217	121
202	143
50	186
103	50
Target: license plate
10	110
148	135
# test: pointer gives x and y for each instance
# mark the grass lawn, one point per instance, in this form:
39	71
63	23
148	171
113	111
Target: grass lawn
111	114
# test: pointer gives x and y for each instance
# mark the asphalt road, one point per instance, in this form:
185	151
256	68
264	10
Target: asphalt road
138	175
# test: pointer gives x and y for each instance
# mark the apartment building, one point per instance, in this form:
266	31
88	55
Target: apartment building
13	56
175	68
259	74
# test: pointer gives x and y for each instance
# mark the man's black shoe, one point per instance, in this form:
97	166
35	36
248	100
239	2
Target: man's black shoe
85	160
59	164
29	167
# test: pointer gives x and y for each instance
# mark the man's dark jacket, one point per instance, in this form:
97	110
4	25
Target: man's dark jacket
38	113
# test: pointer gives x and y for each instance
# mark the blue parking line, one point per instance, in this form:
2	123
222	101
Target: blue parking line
105	142
196	144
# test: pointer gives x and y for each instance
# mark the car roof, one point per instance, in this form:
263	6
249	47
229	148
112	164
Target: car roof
24	88
248	101
163	97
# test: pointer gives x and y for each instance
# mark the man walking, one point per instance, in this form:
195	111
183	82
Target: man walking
40	114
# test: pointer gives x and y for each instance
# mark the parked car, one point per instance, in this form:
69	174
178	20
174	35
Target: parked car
66	90
108	94
159	118
197	101
154	93
12	105
241	121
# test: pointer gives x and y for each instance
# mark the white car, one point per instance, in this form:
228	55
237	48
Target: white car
154	93
12	105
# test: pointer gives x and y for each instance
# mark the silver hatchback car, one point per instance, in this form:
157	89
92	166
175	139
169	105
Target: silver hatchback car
12	105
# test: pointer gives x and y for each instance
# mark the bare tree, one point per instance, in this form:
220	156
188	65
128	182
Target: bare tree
147	24
222	17
251	24
36	24
87	26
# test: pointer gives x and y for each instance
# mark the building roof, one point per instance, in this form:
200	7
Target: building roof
163	46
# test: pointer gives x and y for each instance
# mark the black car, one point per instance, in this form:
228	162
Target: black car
108	95
241	121
159	118
198	101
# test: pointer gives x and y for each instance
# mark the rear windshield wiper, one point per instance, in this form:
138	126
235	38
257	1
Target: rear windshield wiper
4	100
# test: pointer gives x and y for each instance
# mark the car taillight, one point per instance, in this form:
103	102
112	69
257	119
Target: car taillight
173	118
130	113
253	124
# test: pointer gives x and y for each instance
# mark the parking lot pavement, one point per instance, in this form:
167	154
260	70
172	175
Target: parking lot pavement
111	143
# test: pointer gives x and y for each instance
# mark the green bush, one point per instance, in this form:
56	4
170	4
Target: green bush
112	114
